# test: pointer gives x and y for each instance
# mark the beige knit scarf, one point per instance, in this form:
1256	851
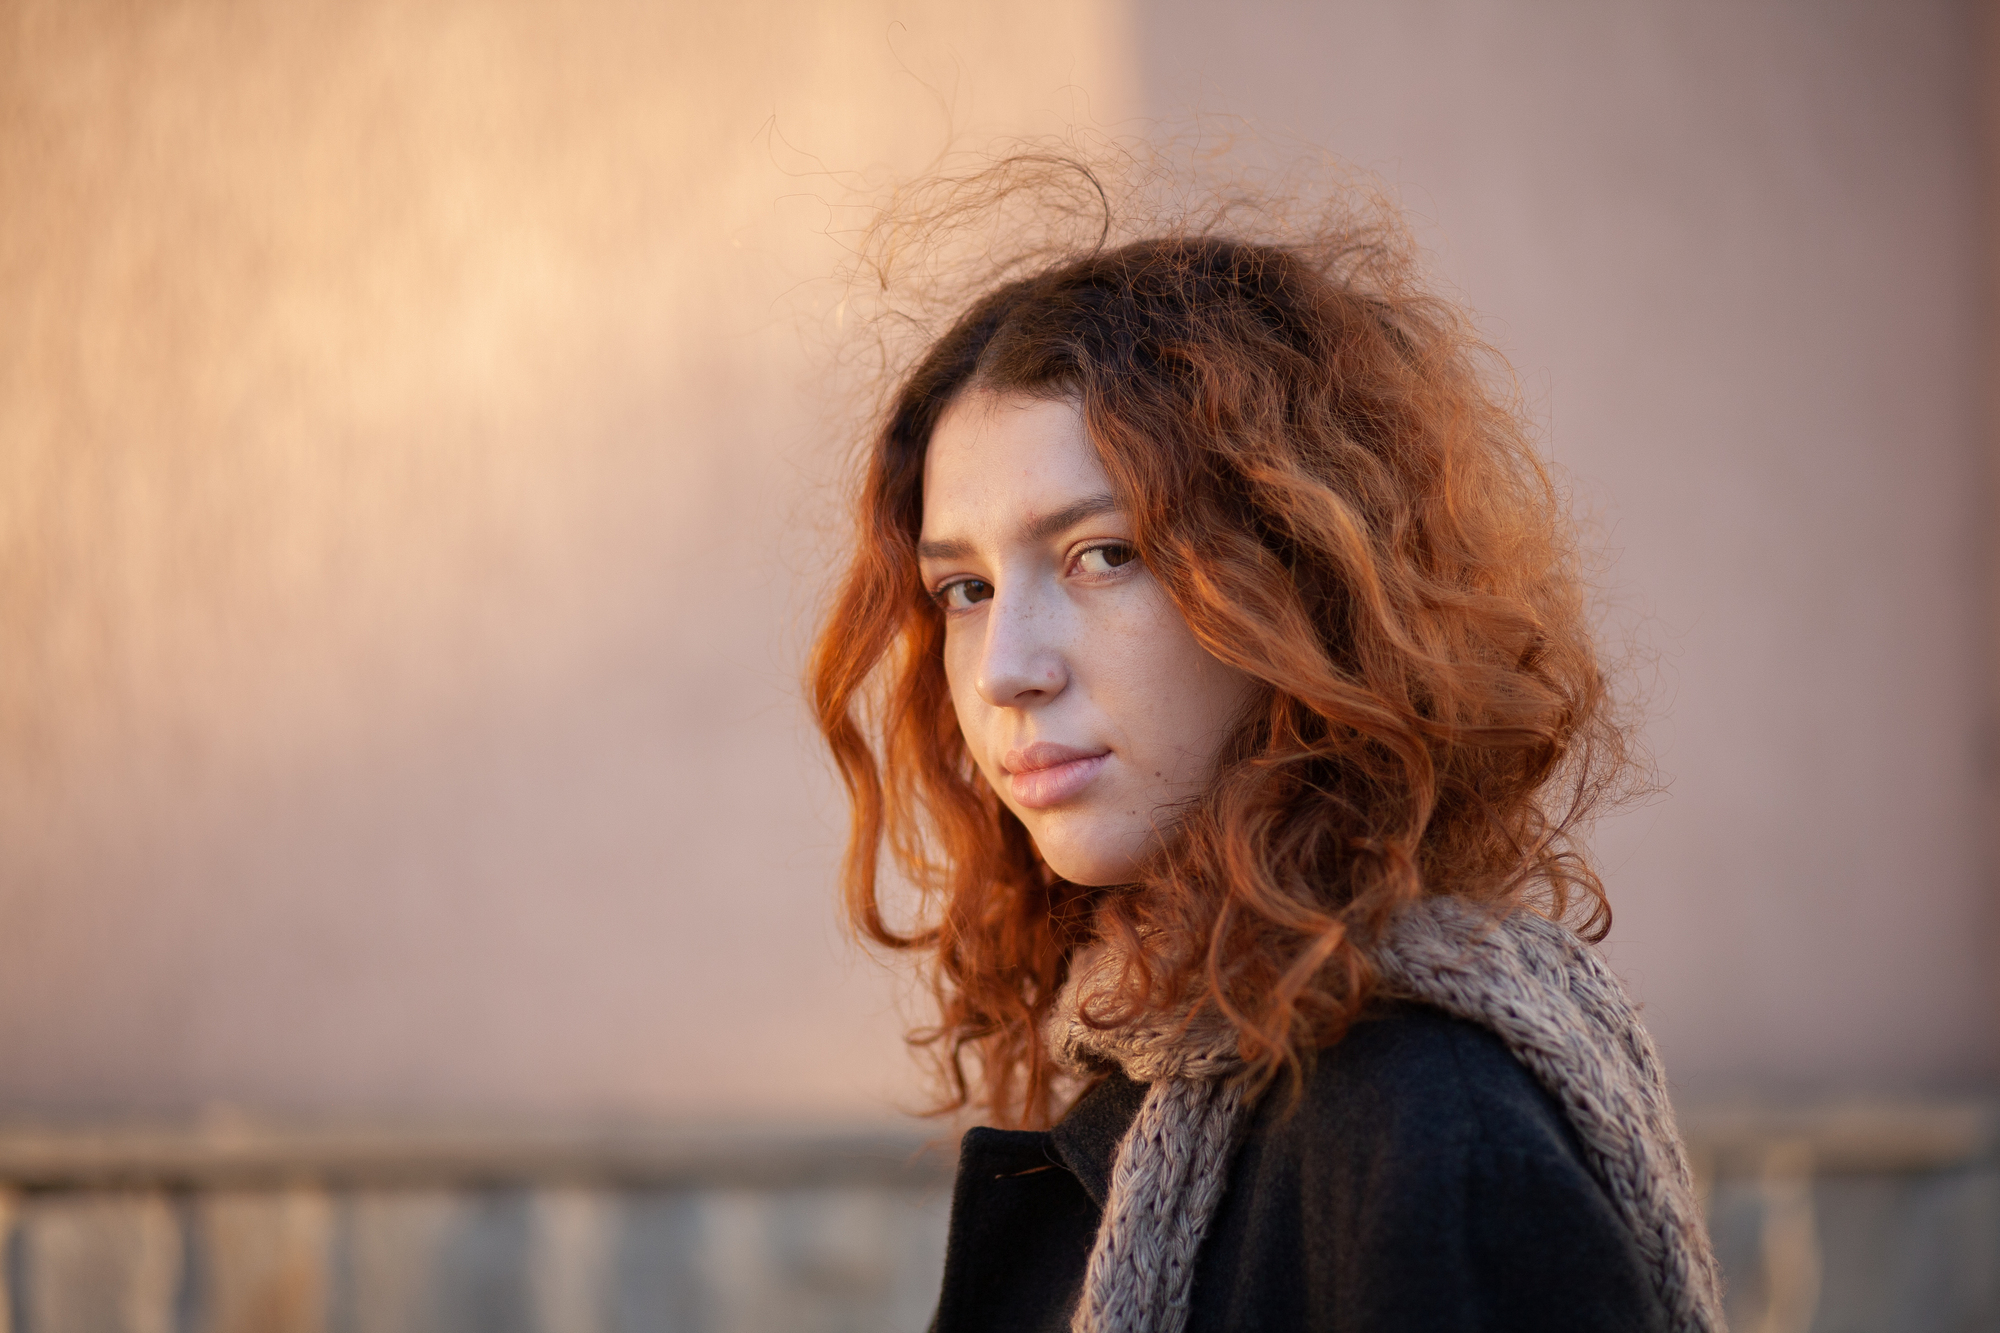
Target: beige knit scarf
1537	986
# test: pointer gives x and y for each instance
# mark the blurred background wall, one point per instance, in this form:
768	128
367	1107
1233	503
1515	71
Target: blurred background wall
413	438
1736	253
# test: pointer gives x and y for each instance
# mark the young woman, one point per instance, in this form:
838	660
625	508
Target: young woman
1214	662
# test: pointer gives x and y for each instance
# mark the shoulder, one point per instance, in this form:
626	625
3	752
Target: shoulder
1410	1076
1420	1177
1411	1104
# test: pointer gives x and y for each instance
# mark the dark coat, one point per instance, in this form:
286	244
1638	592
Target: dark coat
1425	1181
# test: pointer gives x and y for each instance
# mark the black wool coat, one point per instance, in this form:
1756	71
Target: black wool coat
1424	1181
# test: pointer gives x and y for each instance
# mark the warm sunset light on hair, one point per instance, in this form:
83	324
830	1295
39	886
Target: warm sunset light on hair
1329	473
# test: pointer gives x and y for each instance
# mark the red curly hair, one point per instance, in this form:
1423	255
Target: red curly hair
1326	470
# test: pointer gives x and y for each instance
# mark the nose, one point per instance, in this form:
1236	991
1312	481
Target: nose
1021	662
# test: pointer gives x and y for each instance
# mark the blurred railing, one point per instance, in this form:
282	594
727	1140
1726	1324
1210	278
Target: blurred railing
1853	1217
1828	1218
232	1228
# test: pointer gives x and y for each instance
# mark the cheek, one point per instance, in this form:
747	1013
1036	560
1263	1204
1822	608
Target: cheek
959	667
1178	701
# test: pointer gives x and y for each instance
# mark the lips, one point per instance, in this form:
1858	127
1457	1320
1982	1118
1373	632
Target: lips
1046	774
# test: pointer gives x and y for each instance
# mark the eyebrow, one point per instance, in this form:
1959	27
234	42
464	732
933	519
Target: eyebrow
1043	528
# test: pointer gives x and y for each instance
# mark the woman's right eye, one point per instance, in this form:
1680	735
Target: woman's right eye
960	594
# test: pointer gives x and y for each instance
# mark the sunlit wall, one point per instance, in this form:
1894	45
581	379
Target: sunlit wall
410	453
415	420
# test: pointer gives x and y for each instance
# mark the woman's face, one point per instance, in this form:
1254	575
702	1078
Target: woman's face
1082	694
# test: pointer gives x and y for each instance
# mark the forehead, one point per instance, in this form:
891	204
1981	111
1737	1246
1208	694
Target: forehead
996	462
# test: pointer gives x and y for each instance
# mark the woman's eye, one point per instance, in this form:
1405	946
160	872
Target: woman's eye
962	593
1104	559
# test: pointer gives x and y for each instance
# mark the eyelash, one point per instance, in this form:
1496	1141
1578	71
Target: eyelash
942	593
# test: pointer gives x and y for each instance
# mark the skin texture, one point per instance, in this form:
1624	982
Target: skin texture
1083	697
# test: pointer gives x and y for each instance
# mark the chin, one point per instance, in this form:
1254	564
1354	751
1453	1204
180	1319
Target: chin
1092	862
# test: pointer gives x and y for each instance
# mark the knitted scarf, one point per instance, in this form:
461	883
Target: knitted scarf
1533	983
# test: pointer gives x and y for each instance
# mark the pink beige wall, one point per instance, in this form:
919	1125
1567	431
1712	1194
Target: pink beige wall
414	424
1733	252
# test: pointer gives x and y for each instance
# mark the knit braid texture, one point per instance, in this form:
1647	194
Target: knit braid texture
1530	981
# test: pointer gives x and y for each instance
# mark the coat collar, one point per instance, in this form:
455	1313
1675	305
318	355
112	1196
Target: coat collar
1086	1140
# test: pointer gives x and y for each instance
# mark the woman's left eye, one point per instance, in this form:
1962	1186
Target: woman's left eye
1106	558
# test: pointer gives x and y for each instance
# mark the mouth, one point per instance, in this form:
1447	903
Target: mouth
1047	774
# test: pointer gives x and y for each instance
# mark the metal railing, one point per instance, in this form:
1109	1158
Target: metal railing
1828	1217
